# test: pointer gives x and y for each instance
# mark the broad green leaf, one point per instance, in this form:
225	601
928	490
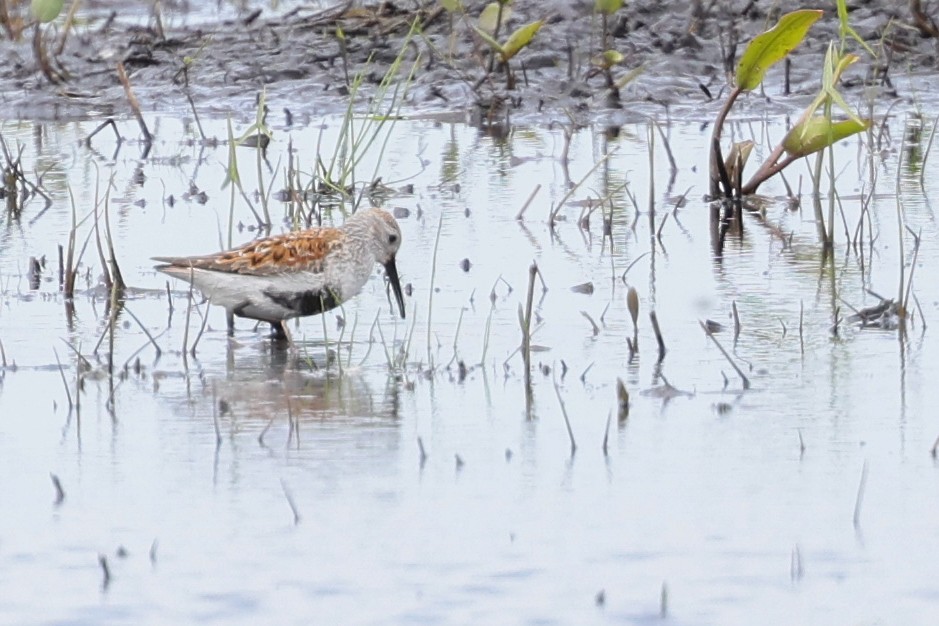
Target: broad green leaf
451	6
608	6
819	132
772	46
519	39
489	18
47	10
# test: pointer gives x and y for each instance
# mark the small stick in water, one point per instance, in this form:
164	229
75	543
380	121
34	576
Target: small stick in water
264	431
59	492
420	447
663	603
218	432
567	421
68	394
860	496
105	570
801	325
293	505
596	329
743	377
134	105
658	335
521	212
606	435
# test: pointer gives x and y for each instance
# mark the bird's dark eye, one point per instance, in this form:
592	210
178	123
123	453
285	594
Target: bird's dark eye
392	238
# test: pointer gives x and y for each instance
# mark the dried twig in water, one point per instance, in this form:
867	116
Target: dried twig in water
593	324
59	492
630	266
218	432
290	501
420	447
525	322
552	217
105	571
205	320
583	376
567	421
658	335
264	431
145	331
860	496
102	126
521	212
796	570
68	394
663	604
606	434
132	100
801	326
743	377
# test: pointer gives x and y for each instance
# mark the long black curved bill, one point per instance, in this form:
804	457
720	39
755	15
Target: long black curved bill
391	270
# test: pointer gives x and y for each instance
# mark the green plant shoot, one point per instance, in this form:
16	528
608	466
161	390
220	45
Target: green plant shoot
845	30
516	41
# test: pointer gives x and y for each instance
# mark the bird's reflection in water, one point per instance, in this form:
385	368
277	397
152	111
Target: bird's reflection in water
260	382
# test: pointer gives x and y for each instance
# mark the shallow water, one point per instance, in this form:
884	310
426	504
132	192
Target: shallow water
704	498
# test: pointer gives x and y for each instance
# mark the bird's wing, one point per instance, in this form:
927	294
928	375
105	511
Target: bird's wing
304	251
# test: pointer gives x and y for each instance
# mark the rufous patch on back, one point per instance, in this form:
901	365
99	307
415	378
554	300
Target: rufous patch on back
300	251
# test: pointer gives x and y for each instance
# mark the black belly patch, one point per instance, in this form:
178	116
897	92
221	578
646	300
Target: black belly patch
311	302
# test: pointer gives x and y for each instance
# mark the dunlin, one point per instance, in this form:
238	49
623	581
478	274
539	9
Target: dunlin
302	273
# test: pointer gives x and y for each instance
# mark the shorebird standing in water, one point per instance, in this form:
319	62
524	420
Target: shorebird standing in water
302	273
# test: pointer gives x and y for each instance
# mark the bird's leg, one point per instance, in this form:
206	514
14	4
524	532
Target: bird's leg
279	331
230	320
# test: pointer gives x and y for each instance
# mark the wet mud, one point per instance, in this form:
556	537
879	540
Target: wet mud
308	59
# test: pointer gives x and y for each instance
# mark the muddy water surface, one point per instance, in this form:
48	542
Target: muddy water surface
705	507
